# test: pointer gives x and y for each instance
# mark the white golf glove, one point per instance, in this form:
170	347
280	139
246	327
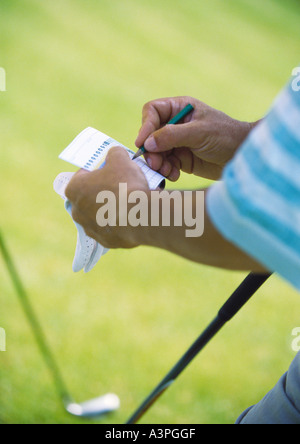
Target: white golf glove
88	252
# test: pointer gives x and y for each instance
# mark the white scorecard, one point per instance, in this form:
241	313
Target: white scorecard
89	150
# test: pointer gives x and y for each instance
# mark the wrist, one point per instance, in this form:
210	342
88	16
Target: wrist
254	124
173	216
154	233
242	131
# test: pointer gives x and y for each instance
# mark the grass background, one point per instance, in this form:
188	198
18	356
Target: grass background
77	63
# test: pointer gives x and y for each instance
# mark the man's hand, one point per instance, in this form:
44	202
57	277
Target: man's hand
202	145
84	187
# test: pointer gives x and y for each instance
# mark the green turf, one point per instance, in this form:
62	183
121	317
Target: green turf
77	63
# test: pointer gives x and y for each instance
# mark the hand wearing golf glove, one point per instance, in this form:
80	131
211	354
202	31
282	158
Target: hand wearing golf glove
79	191
84	187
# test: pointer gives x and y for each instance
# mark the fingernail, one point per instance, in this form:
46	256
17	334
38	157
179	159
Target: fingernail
150	144
149	162
174	176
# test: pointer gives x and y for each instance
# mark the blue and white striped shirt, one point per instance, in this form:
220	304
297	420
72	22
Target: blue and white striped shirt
257	204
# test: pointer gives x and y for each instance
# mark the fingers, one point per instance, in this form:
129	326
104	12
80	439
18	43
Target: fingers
154	115
159	112
174	136
167	165
159	140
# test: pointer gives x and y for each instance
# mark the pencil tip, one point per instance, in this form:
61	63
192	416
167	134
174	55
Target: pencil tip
138	154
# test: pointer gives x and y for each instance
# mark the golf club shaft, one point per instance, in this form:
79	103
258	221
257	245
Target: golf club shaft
237	300
35	325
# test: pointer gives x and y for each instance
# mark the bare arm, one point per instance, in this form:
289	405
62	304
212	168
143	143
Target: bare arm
209	249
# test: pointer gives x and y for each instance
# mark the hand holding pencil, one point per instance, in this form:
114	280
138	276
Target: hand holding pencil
181	115
201	143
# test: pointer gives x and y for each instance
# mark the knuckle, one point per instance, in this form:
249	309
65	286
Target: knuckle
165	137
76	215
148	105
190	99
149	109
116	151
74	187
90	233
69	191
145	111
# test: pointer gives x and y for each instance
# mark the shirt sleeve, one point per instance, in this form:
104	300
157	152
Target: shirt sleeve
281	405
256	206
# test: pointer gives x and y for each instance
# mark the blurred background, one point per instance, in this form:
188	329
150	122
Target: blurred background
76	63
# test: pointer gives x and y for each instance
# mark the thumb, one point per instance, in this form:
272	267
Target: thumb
117	154
173	136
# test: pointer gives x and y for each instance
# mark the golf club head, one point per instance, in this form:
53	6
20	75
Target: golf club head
94	407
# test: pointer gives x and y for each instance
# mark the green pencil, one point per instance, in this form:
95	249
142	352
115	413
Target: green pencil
188	109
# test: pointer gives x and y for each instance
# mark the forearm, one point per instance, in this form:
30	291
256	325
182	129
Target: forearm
210	248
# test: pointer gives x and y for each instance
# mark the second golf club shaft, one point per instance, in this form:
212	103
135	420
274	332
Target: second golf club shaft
236	301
